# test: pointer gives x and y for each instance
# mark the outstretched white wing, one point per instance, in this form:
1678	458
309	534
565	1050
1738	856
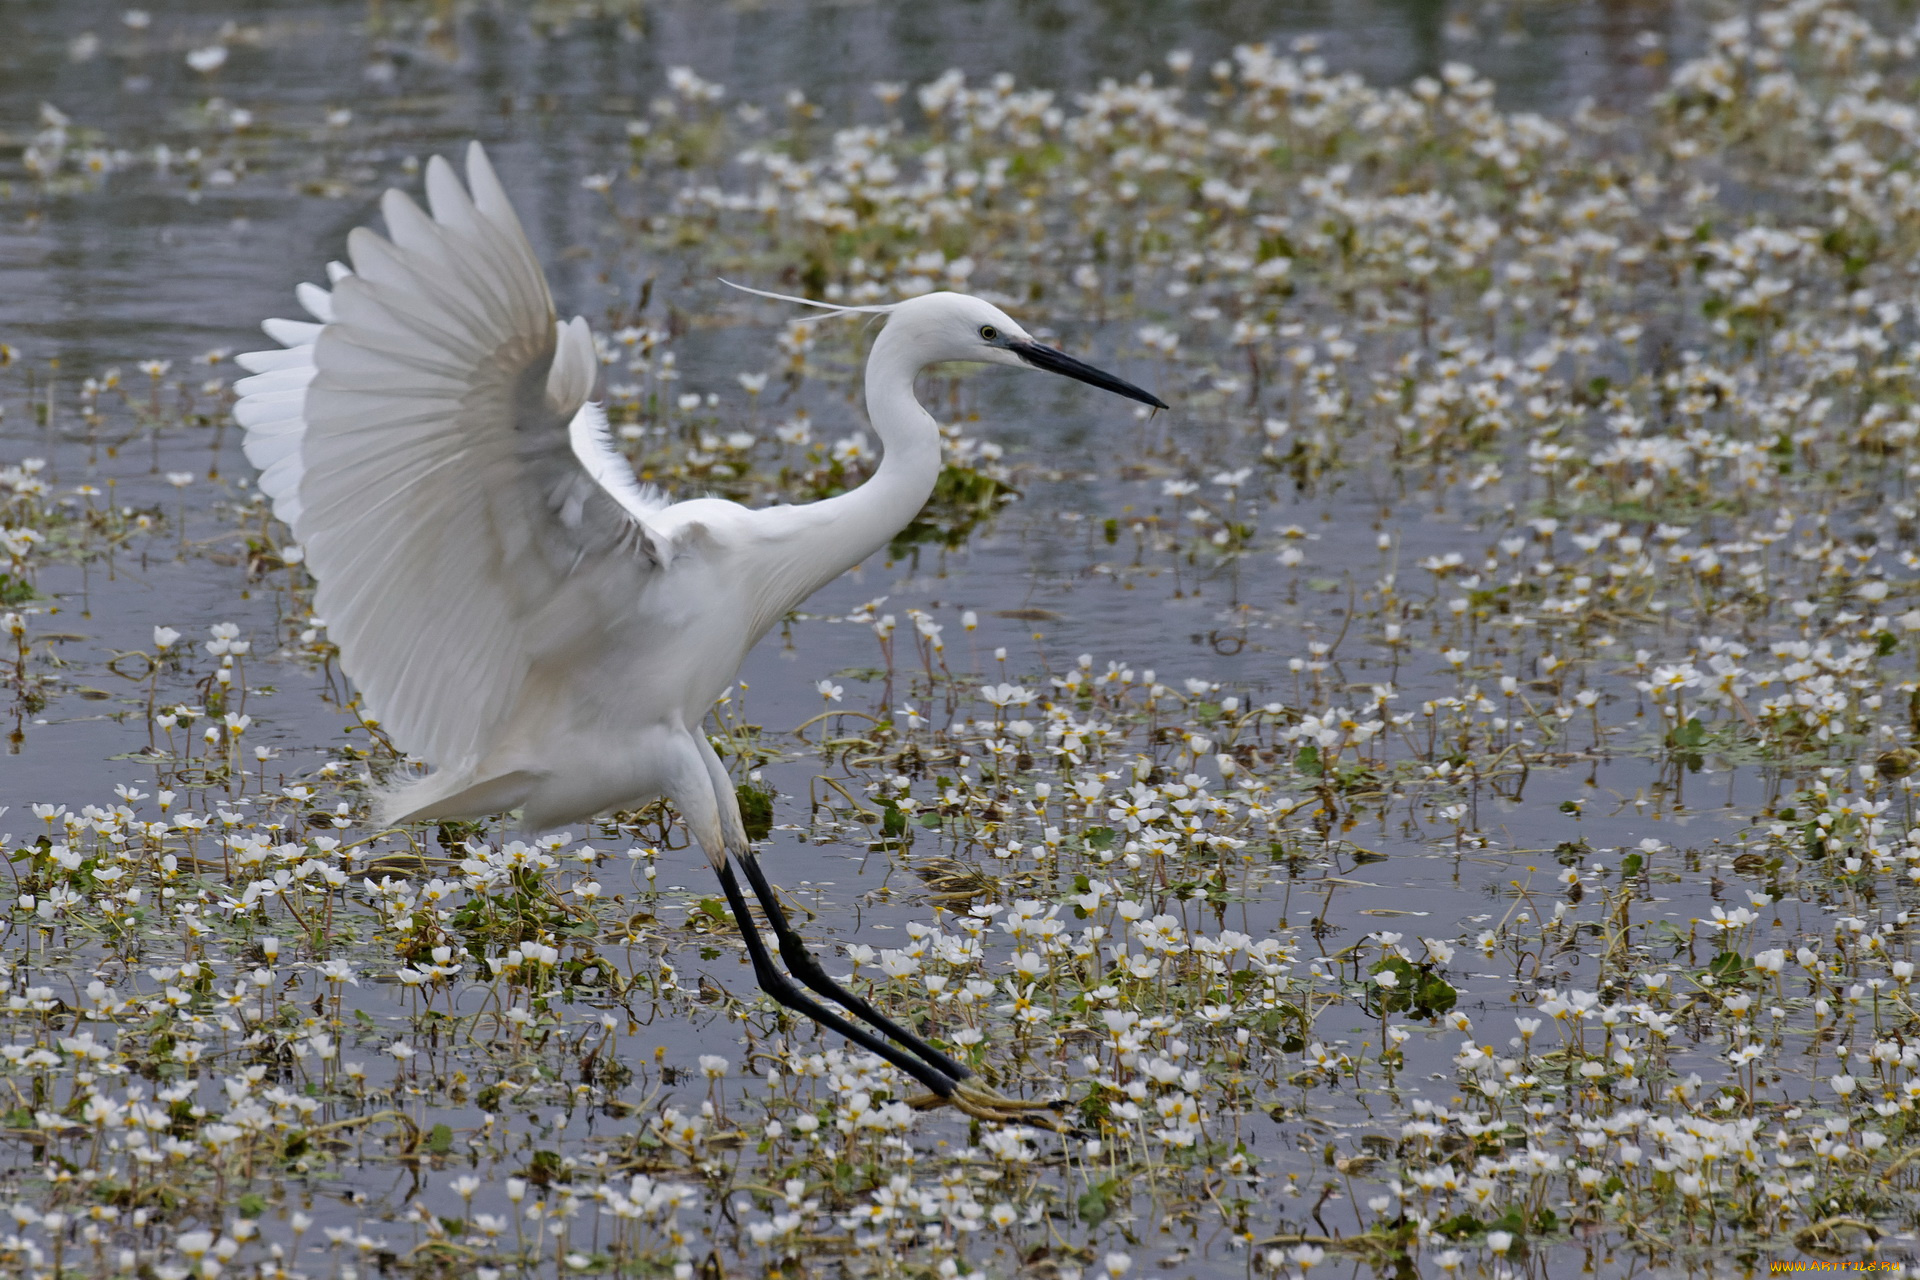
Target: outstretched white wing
431	443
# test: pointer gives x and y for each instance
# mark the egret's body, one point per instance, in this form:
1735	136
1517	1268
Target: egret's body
599	725
515	608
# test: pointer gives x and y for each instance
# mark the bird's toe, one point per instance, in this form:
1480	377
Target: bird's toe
984	1104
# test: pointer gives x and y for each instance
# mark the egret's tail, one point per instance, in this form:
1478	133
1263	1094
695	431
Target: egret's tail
447	795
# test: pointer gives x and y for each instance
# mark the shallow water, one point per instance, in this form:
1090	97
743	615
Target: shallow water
147	264
142	267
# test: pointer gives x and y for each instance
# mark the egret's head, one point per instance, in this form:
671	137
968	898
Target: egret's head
959	326
936	327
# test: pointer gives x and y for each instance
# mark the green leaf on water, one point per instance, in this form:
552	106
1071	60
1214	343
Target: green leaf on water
1100	837
545	1169
1512	1221
440	1139
1094	1205
1418	992
756	810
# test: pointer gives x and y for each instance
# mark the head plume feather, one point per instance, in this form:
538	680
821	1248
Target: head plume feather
878	309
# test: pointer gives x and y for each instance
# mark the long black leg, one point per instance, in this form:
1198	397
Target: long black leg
802	964
782	989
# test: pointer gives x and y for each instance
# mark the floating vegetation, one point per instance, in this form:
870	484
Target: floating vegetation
1507	867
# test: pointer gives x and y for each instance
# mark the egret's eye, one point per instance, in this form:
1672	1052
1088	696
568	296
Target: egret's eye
988	332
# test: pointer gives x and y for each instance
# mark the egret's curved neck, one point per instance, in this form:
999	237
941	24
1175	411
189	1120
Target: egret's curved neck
842	531
910	444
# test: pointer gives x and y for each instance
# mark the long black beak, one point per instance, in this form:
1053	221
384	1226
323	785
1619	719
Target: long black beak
1055	361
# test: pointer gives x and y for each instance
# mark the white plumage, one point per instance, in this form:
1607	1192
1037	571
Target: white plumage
514	607
472	529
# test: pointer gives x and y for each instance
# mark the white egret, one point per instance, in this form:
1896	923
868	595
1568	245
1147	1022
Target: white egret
515	608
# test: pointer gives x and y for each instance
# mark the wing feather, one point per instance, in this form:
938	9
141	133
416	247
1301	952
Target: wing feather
267	381
593	446
316	301
431	444
291	333
273	361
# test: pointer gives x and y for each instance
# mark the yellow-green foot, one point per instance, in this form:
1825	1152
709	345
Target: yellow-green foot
985	1104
